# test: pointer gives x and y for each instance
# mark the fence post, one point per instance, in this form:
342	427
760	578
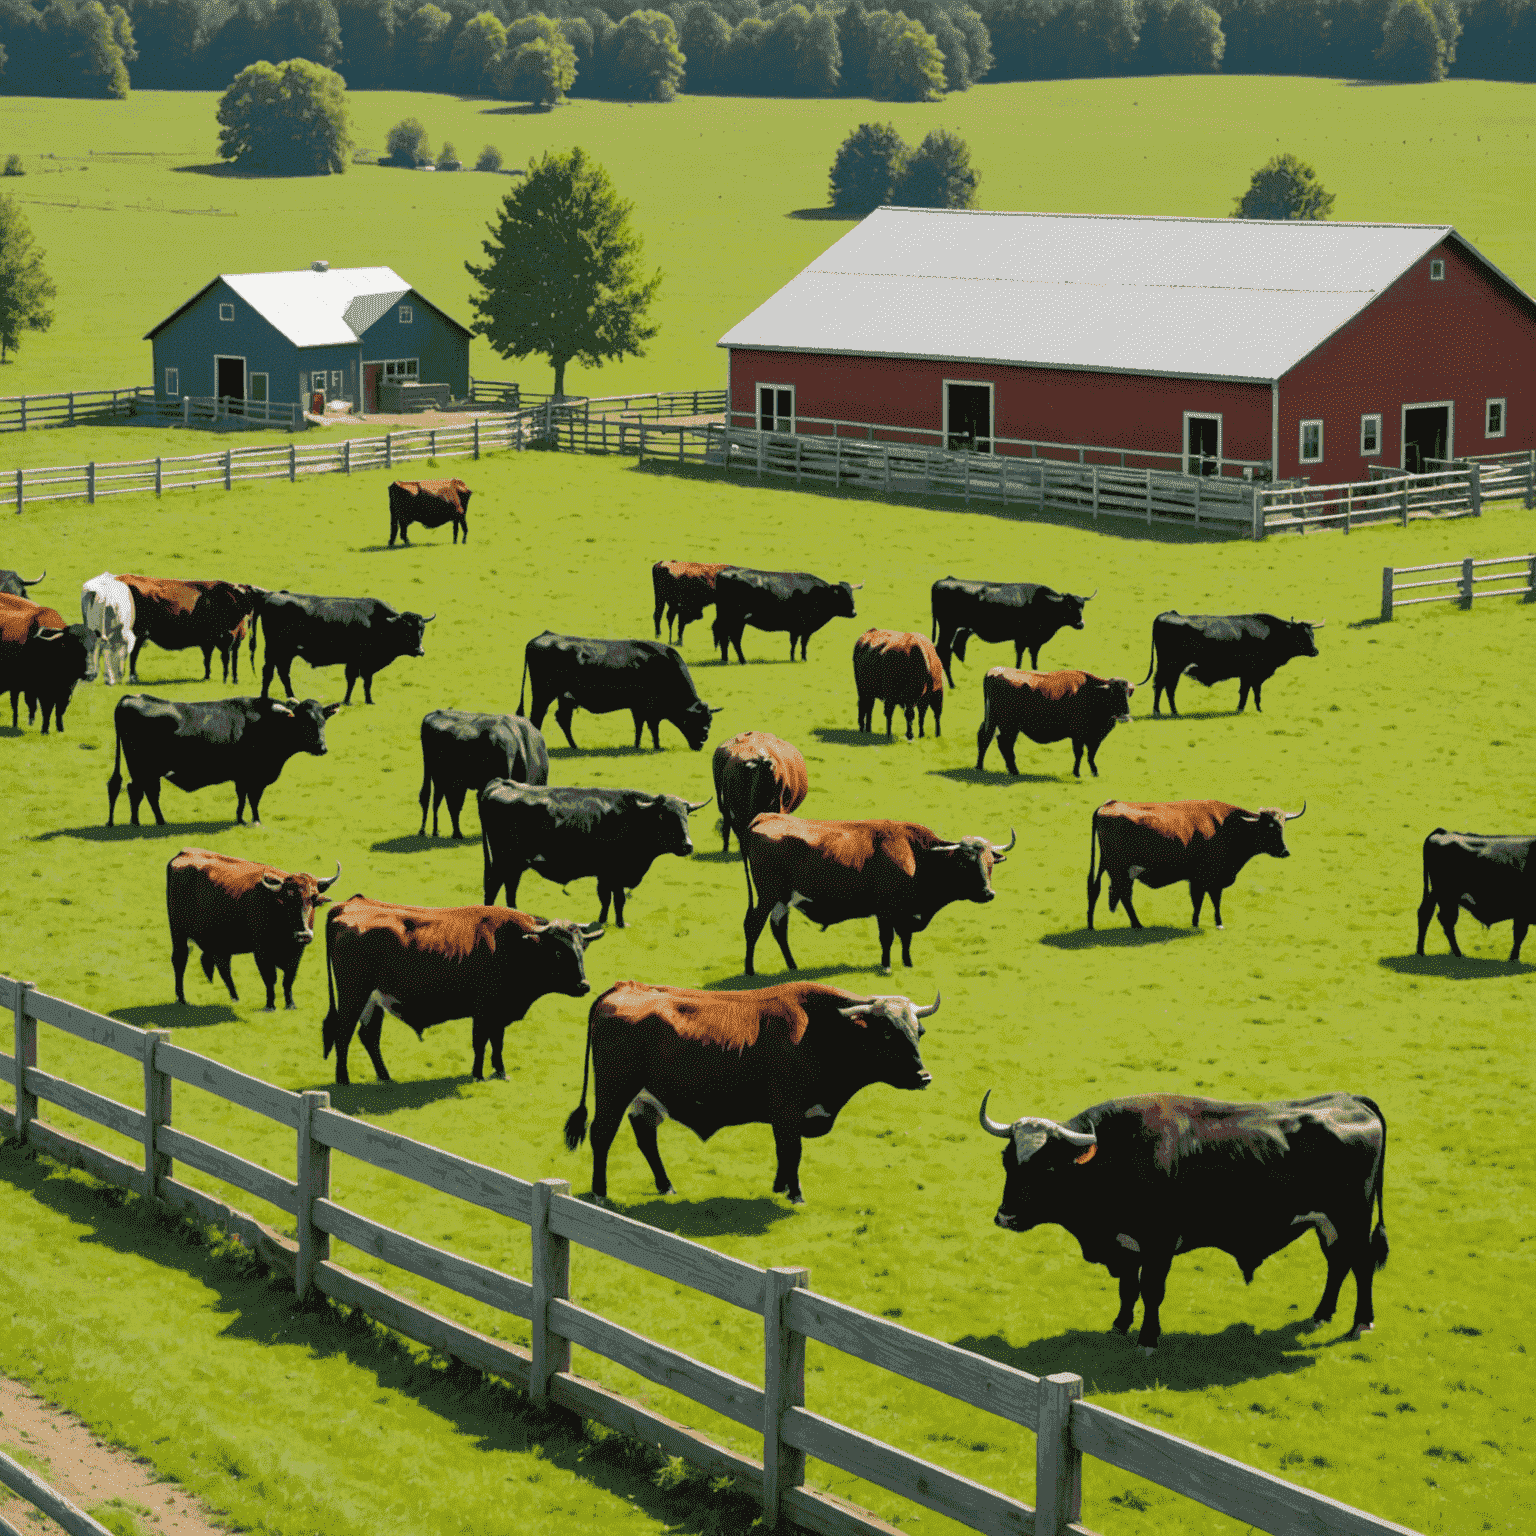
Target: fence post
1040	465
1530	480
783	1387
432	443
1149	496
18	493
1405	501
90	482
293	462
1388	577
551	1278
477	437
886	449
24	1050
1058	1466
1475	488
1466	582
389	450
159	466
227	468
157	1112
71	407
314	1184
23	413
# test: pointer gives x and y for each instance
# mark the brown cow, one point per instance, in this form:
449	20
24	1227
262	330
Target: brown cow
430	503
789	1056
179	615
1051	706
902	669
684	589
229	906
1205	842
756	772
897	872
40	656
426	965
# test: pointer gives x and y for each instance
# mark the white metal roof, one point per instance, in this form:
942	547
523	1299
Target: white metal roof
1207	298
310	307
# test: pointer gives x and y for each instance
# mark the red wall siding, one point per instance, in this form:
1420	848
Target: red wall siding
1463	339
1042	404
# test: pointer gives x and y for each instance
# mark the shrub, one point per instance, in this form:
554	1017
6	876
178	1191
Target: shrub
13	166
490	159
938	174
1285	188
869	163
407	144
449	160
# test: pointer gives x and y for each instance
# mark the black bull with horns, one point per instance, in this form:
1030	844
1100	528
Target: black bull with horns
1138	1180
1212	648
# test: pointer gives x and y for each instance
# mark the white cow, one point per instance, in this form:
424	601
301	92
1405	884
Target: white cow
106	606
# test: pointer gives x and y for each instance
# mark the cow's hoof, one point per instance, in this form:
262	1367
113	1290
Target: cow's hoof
796	1198
500	1077
271	1008
1148	1349
603	1201
1361	1328
290	1006
671	1189
477	1077
885	970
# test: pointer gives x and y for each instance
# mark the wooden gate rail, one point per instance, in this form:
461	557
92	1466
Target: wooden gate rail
40	1496
1465	582
20	413
1066	1428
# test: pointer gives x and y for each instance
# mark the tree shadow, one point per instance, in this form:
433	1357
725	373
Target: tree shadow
823	215
998	776
126	834
386	1098
229	170
522	109
718	1216
1455	968
1184	1362
177	1015
1115	938
423	843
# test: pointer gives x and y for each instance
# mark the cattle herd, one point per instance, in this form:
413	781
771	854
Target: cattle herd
1136	1180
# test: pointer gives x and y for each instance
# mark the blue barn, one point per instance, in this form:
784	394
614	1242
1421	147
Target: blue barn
283	336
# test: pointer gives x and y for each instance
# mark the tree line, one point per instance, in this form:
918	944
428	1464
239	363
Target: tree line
857	48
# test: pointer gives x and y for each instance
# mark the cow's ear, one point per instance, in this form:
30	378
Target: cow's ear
329	709
1089	1155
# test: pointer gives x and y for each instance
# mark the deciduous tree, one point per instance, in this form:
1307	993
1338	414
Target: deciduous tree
476	50
1285	188
289	119
868	164
904	60
538	63
938	174
1411	45
26	290
645	61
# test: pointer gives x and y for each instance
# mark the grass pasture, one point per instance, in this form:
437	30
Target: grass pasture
1312	985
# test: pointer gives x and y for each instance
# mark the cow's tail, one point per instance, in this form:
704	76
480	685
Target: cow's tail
746	864
1093	847
1151	660
522	687
576	1121
328	1028
1379	1247
255	618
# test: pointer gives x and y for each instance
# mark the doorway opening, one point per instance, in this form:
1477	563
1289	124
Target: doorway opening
1427	434
968	417
1202	444
229	380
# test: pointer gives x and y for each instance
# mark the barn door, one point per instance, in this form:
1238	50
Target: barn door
229	382
371	372
1426	436
1202	444
968	417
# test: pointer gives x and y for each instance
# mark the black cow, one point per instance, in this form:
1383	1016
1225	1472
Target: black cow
1494	878
246	741
40	656
16	585
776	600
568	834
363	634
1251	647
649	679
1023	612
463	751
1138	1180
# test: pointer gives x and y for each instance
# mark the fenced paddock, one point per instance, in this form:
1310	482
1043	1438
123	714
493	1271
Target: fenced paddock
75	407
1066	1428
1516	572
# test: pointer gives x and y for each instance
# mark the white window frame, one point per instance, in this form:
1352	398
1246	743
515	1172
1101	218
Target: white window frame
991	390
407	315
757	413
338	384
173	381
1488	406
1301	441
1220	430
399	370
250	388
226	311
1426	405
1437	270
1367	419
317	381
229	357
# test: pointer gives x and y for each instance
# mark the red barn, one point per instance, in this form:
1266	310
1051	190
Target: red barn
1317	348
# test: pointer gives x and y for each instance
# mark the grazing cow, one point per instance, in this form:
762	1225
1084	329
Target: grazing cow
246	741
1494	878
897	872
684	589
1051	706
776	600
1140	1179
430	503
904	671
40	656
1251	647
568	834
1023	612
789	1056
756	772
462	751
106	607
645	677
426	965
1205	842
229	906
362	634
16	586
180	615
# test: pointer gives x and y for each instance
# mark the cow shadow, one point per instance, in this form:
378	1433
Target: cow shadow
125	834
564	752
386	1098
423	843
1456	968
381	549
718	856
1116	938
177	1015
1192	714
719	1216
834	736
1183	1362
11	730
744	983
998	776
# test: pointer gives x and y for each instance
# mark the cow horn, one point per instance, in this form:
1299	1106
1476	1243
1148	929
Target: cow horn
1297	815
1316	623
272	882
1091	595
47	632
931	1009
34	581
991	1127
999	848
281	709
714	709
943	847
699	807
325	885
428	619
591	932
1077	1138
856	586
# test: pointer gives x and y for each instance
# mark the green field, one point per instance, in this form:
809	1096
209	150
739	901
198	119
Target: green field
136	213
1312	986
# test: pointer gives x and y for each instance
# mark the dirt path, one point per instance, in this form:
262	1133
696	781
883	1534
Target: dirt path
56	1446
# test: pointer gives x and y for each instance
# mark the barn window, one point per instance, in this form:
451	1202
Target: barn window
1370	435
1494	419
226	311
776	407
317	381
967	416
1437	271
173	381
1311	442
258	386
407	315
402	370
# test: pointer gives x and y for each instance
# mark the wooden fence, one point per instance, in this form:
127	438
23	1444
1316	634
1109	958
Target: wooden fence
40	1496
1066	1428
211	411
1519	569
24	413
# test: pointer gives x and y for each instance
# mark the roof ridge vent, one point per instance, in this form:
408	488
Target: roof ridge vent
319	266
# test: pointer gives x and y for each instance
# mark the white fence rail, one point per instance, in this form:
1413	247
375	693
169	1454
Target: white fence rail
1065	1427
75	407
1520	570
40	1496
